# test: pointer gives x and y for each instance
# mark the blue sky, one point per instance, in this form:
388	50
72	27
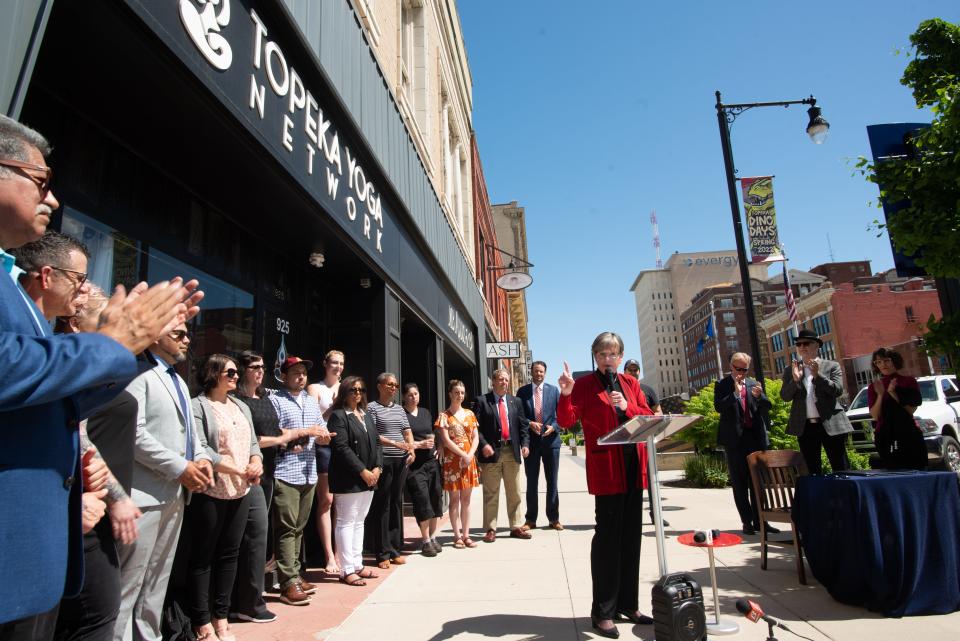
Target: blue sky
591	115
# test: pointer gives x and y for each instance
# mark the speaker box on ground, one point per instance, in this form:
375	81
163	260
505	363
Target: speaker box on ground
678	613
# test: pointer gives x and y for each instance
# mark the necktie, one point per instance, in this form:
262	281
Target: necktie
183	408
747	420
538	404
504	425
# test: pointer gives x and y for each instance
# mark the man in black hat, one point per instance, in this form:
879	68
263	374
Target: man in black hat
815	385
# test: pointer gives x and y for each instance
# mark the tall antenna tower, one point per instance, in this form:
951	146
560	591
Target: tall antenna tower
656	237
830	247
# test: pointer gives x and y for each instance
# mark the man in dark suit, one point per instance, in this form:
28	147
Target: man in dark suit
814	386
744	416
540	406
45	384
504	442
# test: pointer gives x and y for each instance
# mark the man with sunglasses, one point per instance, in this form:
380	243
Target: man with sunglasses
814	386
170	462
744	418
47	385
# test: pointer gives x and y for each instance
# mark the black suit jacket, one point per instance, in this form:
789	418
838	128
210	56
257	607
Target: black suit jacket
727	403
488	416
353	450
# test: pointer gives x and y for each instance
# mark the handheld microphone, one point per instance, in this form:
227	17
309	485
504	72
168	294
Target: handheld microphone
754	612
611	376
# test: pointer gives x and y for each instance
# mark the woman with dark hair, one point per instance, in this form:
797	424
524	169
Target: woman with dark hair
460	436
355	468
893	399
257	545
616	475
217	517
423	480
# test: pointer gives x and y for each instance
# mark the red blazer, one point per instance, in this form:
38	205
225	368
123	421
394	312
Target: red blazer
589	403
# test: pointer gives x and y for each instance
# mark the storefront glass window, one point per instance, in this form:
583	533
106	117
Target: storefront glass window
225	322
114	257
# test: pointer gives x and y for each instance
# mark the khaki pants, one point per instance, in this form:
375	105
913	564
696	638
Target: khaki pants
508	469
291	504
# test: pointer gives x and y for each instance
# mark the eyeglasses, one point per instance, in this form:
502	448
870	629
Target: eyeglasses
231	373
608	356
81	276
260	366
391	384
883	361
358	390
805	343
740	369
179	334
43	184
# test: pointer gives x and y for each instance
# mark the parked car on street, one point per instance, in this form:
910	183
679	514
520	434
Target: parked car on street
938	417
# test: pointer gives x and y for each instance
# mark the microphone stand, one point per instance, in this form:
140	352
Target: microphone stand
770	636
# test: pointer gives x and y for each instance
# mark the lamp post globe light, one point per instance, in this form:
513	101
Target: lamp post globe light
817	129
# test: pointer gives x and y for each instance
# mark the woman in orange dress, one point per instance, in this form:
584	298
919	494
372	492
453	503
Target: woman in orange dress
458	434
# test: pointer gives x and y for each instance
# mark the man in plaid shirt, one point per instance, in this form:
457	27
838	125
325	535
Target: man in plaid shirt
295	476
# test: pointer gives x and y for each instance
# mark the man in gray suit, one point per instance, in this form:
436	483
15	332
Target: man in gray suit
815	385
169	463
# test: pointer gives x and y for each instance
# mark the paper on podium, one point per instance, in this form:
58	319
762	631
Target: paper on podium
640	428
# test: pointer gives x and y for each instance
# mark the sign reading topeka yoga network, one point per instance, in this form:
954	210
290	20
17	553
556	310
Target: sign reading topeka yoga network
761	219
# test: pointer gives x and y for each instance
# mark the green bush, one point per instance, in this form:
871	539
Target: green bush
706	470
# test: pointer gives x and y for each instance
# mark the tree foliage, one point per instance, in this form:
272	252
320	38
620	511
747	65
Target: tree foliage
927	181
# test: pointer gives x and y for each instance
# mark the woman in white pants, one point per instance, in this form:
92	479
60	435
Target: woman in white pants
355	467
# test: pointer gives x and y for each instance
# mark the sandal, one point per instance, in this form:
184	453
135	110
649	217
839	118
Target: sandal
225	635
356	582
367	573
459	544
470	543
331	570
384	565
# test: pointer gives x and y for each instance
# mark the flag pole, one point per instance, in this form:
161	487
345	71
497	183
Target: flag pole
716	341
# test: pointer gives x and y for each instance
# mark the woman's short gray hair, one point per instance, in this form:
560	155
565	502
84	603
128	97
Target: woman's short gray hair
607	340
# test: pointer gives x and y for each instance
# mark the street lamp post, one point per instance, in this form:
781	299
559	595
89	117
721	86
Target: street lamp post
726	114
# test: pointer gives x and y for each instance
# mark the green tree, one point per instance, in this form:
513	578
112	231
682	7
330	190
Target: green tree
927	181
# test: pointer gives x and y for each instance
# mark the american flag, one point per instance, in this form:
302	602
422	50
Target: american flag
788	295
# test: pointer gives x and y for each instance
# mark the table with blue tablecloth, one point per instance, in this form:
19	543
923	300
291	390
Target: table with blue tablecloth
889	542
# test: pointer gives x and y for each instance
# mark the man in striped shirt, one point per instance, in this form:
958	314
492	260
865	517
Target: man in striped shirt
385	518
295	476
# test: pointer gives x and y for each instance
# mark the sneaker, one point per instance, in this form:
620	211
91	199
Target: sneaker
436	546
294	595
265	616
427	549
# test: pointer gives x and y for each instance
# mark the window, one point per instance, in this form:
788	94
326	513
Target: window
777	342
821	324
729	317
828	351
114	258
730	331
414	79
911	318
726	302
780	364
733	345
791	335
781	300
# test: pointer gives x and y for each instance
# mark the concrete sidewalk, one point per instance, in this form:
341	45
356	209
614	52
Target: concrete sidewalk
541	588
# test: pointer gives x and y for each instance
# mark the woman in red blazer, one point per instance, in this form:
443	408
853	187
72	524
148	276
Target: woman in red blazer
616	476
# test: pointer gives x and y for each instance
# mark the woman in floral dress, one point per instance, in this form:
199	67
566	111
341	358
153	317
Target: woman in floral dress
458	434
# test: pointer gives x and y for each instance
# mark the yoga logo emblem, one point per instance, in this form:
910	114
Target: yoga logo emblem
203	26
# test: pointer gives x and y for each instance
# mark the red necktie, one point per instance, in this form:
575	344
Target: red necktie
747	419
504	425
538	404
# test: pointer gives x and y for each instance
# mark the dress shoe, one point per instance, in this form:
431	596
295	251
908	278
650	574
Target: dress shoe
398	560
557	525
520	533
634	617
529	525
293	594
306	586
771	529
748	529
610	633
490	536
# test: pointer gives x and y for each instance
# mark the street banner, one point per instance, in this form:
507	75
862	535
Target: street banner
761	219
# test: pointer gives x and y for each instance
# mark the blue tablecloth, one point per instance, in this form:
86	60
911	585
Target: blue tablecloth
888	542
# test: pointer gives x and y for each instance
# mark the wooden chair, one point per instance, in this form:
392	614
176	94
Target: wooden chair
774	476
